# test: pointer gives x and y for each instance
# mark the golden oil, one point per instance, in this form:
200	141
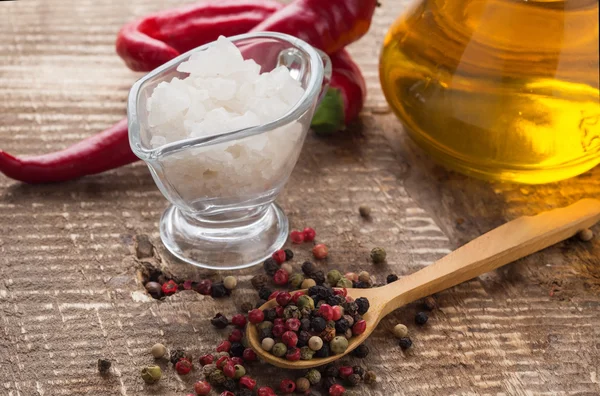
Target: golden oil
500	89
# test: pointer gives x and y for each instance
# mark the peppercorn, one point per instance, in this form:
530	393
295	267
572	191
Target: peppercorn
206	359
287	268
323	352
220	321
281	277
328	382
405	343
302	384
313	376
348	334
341	326
361	285
370	378
264	325
357	317
219	355
305	324
429	303
267	343
259	281
289	338
349	319
378	255
217	377
151	374
218	290
176	355
264	391
204	287
230	384
363	305
333	277
278	330
320	251
364	211
288	254
318	277
306	353
270	266
308	268
391	278
169	288
309	234
296	280
328	334
230	282
321	292
104	366
351	308
237	349
183	366
364	276
421	318
353	380
400	331
345	282
318	324
359	370
293	354
256	316
303	338
240	371
202	388
586	235
279	349
338	345
331	370
154	289
337	300
208	369
305	302
260	303
291	311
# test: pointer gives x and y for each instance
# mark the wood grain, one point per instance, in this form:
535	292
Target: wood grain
69	292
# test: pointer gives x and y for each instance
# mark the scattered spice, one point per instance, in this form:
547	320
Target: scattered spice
220	321
238	320
405	343
246	306
328	382
400	331
154	289
158	351
361	351
421	318
370	378
259	281
104	366
302	384
296	280
202	388
218	290
337	390
287	386
183	366
297	236
308	283
320	251
206	359
270	266
585	235
287	268
169	288
265	391
279	256
338	345
308	268
354	380
309	234
391	278
359	370
204	287
364	211
313	376
378	255
281	277
151	374
230	282
430	303
176	355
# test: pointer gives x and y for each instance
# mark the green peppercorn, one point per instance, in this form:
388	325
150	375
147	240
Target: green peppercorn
230	282
264	325
158	351
151	374
313	376
240	371
353	379
306	353
400	331
291	311
296	280
338	345
279	349
308	283
306	302
302	385
208	369
217	377
344	282
370	378
378	255
364	276
333	277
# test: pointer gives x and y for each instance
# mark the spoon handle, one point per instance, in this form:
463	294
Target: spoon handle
502	245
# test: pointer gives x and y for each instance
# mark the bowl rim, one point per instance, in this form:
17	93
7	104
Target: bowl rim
306	101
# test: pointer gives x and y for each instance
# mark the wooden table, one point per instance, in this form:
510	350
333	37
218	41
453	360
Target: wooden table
68	287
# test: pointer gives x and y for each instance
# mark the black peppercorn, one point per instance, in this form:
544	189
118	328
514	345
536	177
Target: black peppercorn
341	326
323	352
308	268
350	308
260	303
358	370
391	278
103	366
266	332
260	281
305	324
270	266
318	277
405	343
177	354
357	317
331	371
229	384
270	314
246	306
218	290
421	318
318	324
321	292
220	321
353	379
288	254
237	349
429	303
362	285
361	351
363	305
328	382
154	289
264	293
303	338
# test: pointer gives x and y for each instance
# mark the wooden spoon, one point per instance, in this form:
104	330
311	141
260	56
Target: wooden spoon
498	247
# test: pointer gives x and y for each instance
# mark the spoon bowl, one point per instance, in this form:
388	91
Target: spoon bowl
505	244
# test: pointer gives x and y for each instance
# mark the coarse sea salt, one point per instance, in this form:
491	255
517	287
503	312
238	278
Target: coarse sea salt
225	93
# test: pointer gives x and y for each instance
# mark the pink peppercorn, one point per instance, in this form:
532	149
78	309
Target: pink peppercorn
202	388
187	285
224	346
238	320
341	292
320	251
353	276
222	361
236	335
169	288
274	295
279	256
183	366
249	355
326	312
337	390
297	295
204	287
229	370
227	393
278	321
206	359
293	354
309	234
346	371
281	277
337	313
256	316
293	324
297	236
278	330
237	360
283	298
287	386
265	391
279	311
247	382
289	338
359	327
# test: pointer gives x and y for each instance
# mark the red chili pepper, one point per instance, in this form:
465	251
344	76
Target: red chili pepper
107	150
